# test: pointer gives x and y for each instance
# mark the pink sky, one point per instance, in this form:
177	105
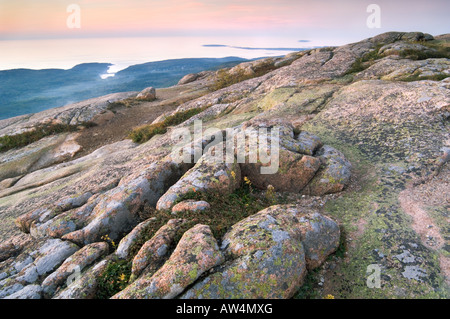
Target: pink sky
312	18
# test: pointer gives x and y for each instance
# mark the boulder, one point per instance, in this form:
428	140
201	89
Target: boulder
148	94
308	143
293	174
190	205
123	249
208	175
117	213
84	287
270	253
188	78
196	253
273	156
74	264
333	177
155	251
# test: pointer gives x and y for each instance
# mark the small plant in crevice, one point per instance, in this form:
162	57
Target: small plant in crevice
114	279
110	242
224	211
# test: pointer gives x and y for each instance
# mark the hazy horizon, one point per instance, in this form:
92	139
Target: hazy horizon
38	33
126	51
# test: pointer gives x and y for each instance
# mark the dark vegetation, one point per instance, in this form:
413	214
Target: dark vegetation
144	133
8	142
114	279
224	78
364	62
436	52
225	211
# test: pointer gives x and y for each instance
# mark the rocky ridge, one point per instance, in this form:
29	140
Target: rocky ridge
362	129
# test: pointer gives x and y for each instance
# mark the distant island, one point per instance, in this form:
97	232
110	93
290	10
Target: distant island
25	91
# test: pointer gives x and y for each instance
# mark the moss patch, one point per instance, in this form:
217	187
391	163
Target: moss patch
378	233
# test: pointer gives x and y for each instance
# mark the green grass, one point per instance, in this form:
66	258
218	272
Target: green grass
225	211
8	142
113	279
418	77
144	133
441	52
363	62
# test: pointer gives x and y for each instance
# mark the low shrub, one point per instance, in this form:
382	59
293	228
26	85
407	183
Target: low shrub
8	142
363	62
114	279
225	79
437	53
144	133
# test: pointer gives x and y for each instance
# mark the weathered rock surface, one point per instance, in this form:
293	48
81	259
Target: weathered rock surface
28	292
75	263
155	251
190	205
207	175
148	94
387	116
116	214
86	286
123	249
334	176
279	159
271	252
196	253
73	114
34	263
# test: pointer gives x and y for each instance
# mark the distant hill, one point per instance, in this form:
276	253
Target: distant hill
24	91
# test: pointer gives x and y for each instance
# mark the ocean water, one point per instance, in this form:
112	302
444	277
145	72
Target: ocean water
123	52
22	96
